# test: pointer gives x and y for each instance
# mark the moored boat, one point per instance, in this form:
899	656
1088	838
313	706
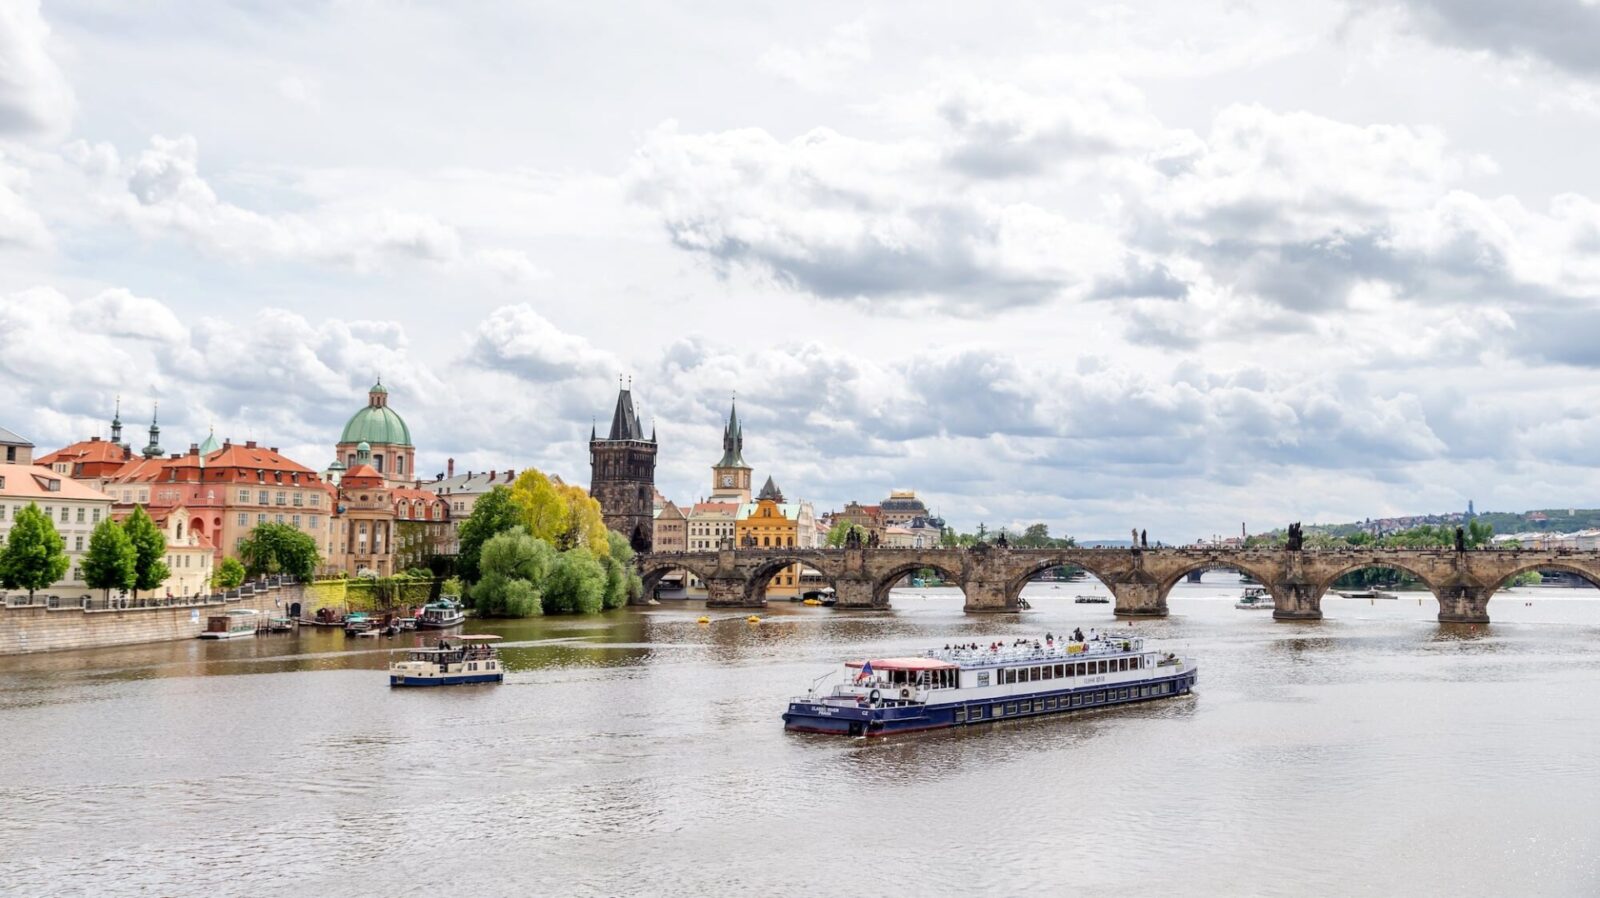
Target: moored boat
973	684
1092	600
455	661
357	623
441	614
232	625
1255	598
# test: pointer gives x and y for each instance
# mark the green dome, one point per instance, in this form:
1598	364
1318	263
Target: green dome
376	424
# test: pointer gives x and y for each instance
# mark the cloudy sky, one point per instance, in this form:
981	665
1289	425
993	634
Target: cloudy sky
1176	265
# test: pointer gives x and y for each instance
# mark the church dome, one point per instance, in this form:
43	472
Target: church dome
377	424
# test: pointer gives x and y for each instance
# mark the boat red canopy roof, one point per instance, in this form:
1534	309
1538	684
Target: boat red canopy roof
906	664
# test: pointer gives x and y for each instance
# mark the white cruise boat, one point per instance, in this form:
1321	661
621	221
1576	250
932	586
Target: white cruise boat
977	684
232	625
441	614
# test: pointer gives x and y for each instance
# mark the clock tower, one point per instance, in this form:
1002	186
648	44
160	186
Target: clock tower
730	476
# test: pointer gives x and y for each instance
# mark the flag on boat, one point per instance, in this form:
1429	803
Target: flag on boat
866	671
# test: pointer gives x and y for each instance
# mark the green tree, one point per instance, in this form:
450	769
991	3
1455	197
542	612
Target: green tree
839	532
35	554
513	565
1037	536
544	511
622	581
228	575
494	513
150	548
111	562
576	584
279	549
452	586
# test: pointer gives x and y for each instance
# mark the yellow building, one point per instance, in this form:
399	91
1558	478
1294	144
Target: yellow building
770	523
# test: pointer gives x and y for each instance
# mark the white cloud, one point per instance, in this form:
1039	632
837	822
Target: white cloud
823	64
35	98
520	341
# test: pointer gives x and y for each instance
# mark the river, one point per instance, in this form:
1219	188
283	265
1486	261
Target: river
640	753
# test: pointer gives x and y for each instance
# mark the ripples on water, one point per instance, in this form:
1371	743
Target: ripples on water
1375	752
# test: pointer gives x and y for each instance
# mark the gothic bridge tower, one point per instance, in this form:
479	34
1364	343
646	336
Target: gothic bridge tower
623	474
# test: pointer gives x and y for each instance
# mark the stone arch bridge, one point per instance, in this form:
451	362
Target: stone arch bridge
992	577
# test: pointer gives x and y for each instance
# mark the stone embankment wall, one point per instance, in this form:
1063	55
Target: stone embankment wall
34	628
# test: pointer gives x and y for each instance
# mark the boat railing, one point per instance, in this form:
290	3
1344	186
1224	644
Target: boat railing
1058	652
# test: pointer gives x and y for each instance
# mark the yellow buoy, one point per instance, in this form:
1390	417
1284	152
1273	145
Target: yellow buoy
753	619
704	620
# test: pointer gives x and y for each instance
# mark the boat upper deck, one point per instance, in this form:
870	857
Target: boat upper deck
976	657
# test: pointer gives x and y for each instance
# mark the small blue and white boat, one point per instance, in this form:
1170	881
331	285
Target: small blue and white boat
455	661
978	684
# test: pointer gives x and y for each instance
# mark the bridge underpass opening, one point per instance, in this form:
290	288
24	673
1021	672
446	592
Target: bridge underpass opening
1537	583
791	580
1055	584
1374	586
919	587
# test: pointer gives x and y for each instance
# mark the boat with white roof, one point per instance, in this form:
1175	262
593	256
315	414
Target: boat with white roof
977	684
456	660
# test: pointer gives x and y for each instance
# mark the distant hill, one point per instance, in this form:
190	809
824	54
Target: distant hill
1552	520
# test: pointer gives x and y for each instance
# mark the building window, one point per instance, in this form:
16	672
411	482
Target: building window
377	463
81	512
400	464
283	498
316	500
261	519
264	498
244	496
77	544
64	512
299	499
278	519
295	520
95	517
244	520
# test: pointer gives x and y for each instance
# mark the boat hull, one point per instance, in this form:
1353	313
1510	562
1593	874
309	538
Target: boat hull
232	634
447	679
442	624
820	717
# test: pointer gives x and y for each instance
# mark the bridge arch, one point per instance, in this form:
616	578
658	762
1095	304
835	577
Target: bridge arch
1364	562
759	577
653	567
885	580
1034	568
1587	574
1261	575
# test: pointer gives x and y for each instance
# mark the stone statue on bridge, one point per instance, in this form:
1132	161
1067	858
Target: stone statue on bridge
1297	539
1001	541
1461	539
872	540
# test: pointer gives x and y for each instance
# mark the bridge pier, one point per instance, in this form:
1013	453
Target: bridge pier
731	592
1464	604
1296	601
1139	599
855	593
986	596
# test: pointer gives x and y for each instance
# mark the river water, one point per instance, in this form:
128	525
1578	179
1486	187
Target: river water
1374	752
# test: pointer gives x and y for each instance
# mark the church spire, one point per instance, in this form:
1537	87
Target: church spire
116	422
154	449
732	440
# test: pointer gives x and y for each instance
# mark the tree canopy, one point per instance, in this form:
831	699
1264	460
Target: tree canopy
150	550
273	548
111	561
838	533
228	575
494	513
35	554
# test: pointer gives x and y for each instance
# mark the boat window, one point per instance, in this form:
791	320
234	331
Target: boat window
983	678
1124	694
1082	669
1033	674
961	715
1077	701
1049	672
1122	664
1061	671
1099	697
1038	705
1133	663
1011	707
997	710
977	712
1103	667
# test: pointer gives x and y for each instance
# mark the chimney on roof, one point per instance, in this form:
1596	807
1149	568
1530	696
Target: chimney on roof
249	444
94	439
194	449
469	474
274	450
449	467
509	472
491	476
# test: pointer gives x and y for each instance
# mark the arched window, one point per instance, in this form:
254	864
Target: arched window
400	464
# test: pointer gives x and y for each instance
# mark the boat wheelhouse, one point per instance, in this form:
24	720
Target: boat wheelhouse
977	684
441	614
455	661
232	625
